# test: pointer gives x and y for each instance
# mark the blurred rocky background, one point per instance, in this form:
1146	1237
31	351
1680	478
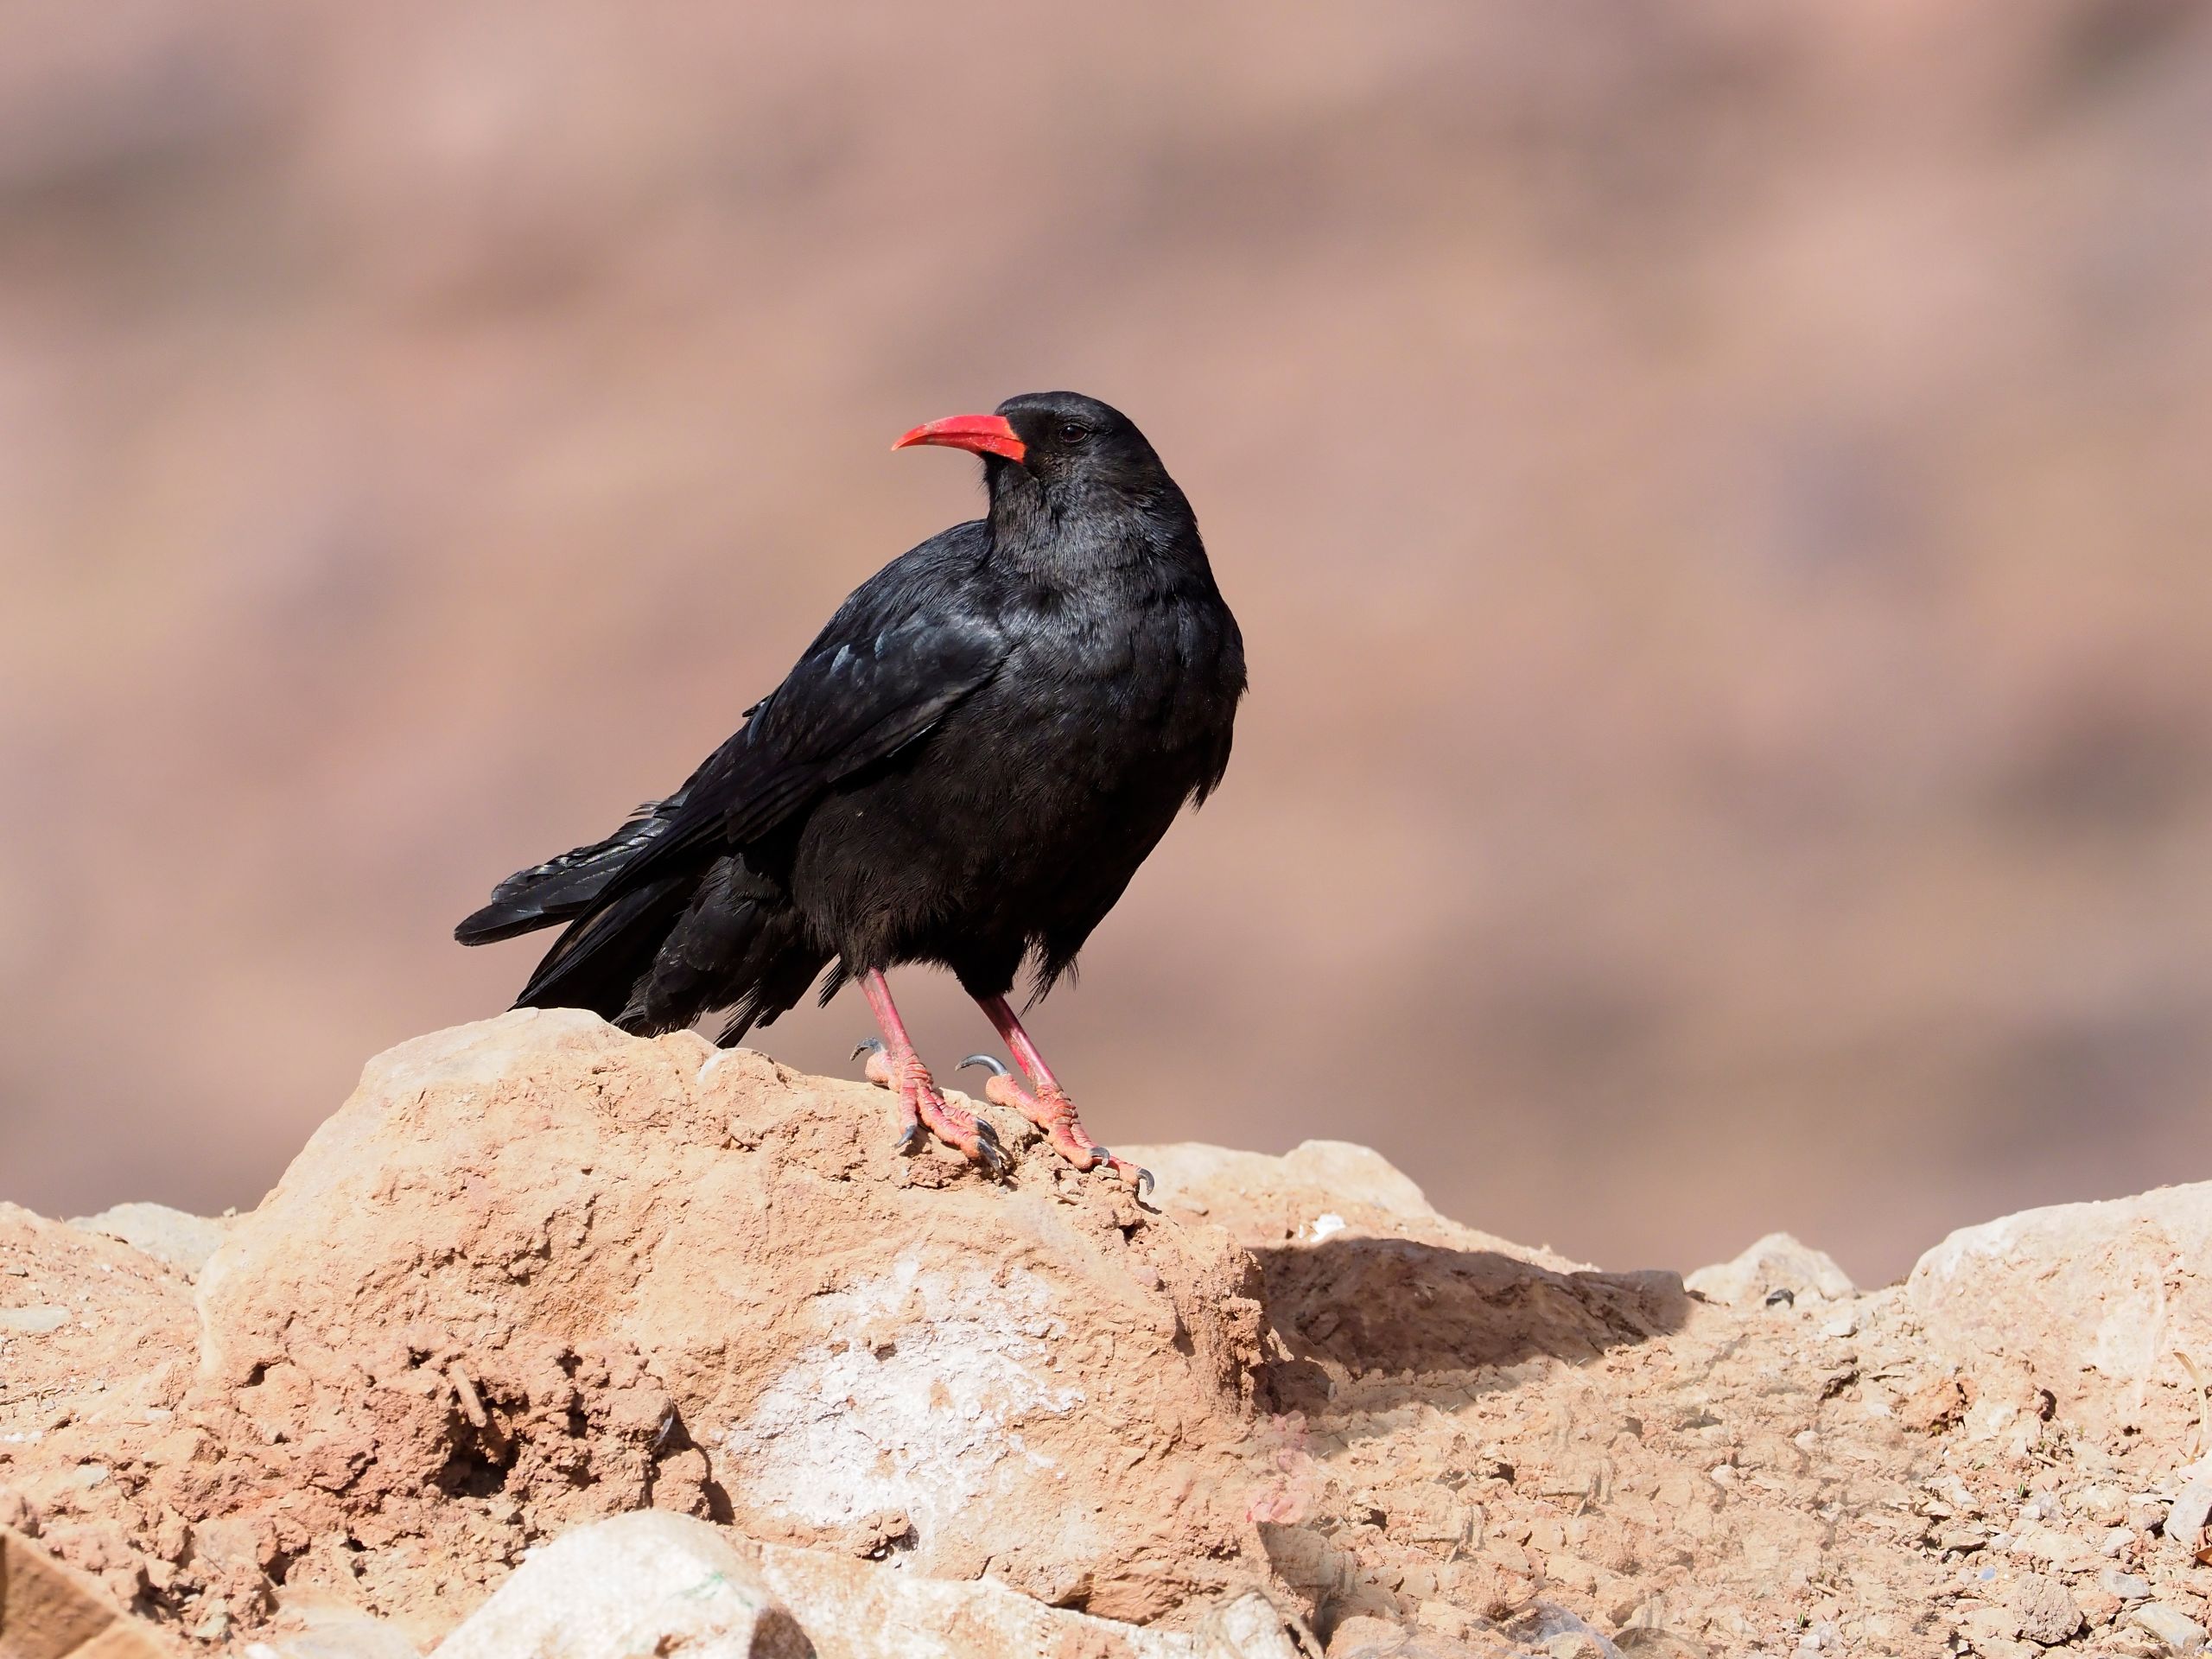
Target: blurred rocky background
1717	494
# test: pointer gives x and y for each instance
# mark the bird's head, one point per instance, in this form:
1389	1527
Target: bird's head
1061	441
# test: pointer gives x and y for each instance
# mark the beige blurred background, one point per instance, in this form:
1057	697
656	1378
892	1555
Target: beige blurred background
1717	495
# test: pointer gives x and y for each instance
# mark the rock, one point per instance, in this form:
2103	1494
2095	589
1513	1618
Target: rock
2099	1606
2062	1550
852	1609
639	1584
2047	1612
1391	1285
37	1321
49	1611
2185	1521
2091	1299
600	1272
334	1633
1986	1626
1777	1263
536	1273
1650	1642
1366	1637
2170	1627
648	1583
18	1513
1557	1631
183	1240
1338	1175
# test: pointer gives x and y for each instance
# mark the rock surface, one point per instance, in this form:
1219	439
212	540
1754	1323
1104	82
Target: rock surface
2107	1306
639	1584
180	1241
851	1609
47	1611
1778	1265
536	1274
540	1259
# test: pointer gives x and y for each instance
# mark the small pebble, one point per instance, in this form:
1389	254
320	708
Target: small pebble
34	1321
2118	1540
2047	1611
2126	1585
1844	1324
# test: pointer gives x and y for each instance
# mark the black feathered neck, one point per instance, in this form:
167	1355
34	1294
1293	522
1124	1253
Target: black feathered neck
1087	523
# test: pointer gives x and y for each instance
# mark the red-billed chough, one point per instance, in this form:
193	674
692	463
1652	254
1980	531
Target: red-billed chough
966	767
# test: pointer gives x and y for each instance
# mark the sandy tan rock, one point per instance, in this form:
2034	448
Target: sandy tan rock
657	1583
183	1240
1336	1172
1359	1273
2090	1301
539	1260
318	1630
2173	1629
536	1273
852	1609
47	1611
1777	1263
637	1584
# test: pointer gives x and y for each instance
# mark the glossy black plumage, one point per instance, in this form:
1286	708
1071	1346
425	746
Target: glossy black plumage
965	767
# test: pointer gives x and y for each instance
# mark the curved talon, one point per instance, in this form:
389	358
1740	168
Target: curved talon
990	1153
913	1141
996	1066
1129	1174
867	1045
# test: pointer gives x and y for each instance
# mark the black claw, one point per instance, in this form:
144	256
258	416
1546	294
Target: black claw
867	1045
1144	1184
912	1141
994	1156
997	1067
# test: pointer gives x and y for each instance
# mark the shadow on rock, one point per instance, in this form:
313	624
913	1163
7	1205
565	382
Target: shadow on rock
1366	1308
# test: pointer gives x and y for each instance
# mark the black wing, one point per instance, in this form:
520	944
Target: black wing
908	647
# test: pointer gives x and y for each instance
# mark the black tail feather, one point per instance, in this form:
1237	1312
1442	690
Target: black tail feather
563	888
598	961
739	941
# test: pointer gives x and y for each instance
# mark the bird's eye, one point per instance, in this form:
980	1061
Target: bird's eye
1073	431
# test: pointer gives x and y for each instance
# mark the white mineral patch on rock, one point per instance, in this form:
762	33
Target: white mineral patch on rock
915	1394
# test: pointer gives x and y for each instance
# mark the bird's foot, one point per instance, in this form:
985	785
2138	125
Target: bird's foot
924	1110
1050	1110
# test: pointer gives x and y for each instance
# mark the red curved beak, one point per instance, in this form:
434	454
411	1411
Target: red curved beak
986	435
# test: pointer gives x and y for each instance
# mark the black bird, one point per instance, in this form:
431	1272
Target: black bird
965	767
